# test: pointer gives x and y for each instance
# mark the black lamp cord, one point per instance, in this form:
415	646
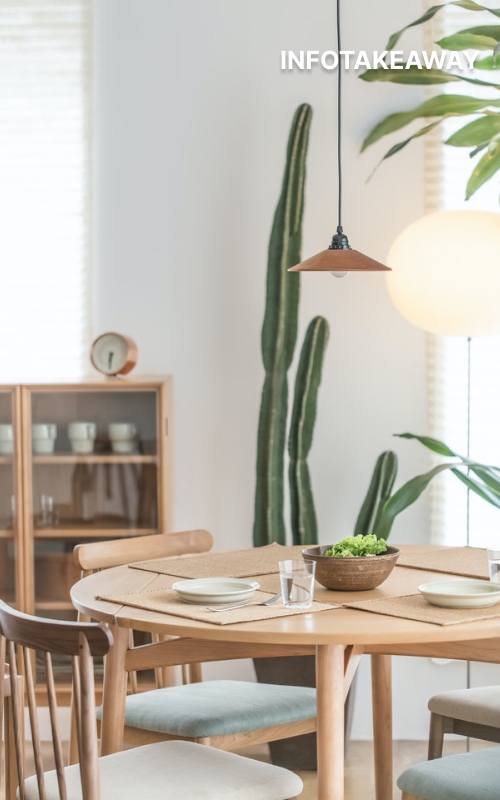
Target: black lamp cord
339	120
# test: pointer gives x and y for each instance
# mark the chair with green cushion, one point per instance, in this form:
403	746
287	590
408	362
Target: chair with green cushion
218	708
468	776
225	714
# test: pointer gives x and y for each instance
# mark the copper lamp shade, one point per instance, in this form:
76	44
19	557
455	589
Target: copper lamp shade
340	258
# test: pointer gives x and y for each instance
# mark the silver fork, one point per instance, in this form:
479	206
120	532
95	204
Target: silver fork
270	602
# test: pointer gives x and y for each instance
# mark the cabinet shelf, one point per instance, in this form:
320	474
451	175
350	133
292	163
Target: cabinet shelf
95	458
91	533
54	605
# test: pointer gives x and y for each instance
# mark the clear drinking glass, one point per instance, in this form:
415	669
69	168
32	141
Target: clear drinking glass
494	565
297	583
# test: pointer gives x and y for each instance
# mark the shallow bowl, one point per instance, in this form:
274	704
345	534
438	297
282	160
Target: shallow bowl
461	593
355	574
215	590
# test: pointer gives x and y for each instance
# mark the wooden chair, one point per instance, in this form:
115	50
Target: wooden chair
467	712
225	714
166	769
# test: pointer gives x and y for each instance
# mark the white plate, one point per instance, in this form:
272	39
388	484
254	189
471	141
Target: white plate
215	590
461	593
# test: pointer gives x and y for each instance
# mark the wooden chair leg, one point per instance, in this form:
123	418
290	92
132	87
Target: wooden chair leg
406	796
436	736
195	673
73	739
11	776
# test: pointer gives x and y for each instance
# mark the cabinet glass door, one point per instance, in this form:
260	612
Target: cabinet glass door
10	581
94	460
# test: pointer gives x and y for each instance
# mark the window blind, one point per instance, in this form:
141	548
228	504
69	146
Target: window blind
447	170
44	187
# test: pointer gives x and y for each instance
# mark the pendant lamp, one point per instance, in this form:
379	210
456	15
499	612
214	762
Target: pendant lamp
339	258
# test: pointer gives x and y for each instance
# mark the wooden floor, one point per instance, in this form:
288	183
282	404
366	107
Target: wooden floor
359	766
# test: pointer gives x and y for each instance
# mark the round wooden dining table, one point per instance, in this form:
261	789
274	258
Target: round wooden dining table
338	637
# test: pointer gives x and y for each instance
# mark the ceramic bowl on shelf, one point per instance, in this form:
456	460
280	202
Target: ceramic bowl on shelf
215	590
353	574
461	593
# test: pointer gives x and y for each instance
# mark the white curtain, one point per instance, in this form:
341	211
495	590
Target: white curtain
447	171
45	55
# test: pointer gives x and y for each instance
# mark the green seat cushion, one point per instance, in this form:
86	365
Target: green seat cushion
217	708
469	776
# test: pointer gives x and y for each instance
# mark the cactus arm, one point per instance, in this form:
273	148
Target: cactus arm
379	490
279	335
307	382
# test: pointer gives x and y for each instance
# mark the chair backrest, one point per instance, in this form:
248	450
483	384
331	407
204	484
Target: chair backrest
95	556
23	636
118	552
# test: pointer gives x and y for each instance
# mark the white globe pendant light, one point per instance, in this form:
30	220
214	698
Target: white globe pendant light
446	273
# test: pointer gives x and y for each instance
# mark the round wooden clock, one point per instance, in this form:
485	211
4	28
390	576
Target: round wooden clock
113	354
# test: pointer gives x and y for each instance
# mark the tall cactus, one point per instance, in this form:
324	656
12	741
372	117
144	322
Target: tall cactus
307	381
379	491
279	334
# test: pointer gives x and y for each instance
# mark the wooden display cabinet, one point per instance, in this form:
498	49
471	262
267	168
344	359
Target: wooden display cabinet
50	501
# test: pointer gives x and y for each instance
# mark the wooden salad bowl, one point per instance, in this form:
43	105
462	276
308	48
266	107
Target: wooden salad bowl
354	574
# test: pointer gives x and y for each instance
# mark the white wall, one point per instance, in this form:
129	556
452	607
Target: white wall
191	120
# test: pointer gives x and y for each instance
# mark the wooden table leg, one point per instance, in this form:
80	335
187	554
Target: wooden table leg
382	726
330	699
114	693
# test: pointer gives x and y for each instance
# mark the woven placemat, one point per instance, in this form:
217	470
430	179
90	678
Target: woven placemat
417	608
230	564
167	602
471	562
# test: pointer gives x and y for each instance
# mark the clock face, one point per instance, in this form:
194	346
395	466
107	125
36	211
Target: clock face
113	354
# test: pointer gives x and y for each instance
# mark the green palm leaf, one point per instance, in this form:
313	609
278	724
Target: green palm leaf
477	132
419	77
396	148
469	5
465	40
486	167
487	473
488	62
406	496
438	106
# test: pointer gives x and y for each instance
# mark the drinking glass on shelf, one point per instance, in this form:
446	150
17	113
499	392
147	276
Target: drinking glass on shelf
297	583
47	517
494	565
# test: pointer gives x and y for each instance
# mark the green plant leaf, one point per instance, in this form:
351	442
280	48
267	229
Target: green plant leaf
486	167
469	5
490	31
488	62
419	77
396	148
464	40
405	496
487	473
480	489
476	132
438	106
413	75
